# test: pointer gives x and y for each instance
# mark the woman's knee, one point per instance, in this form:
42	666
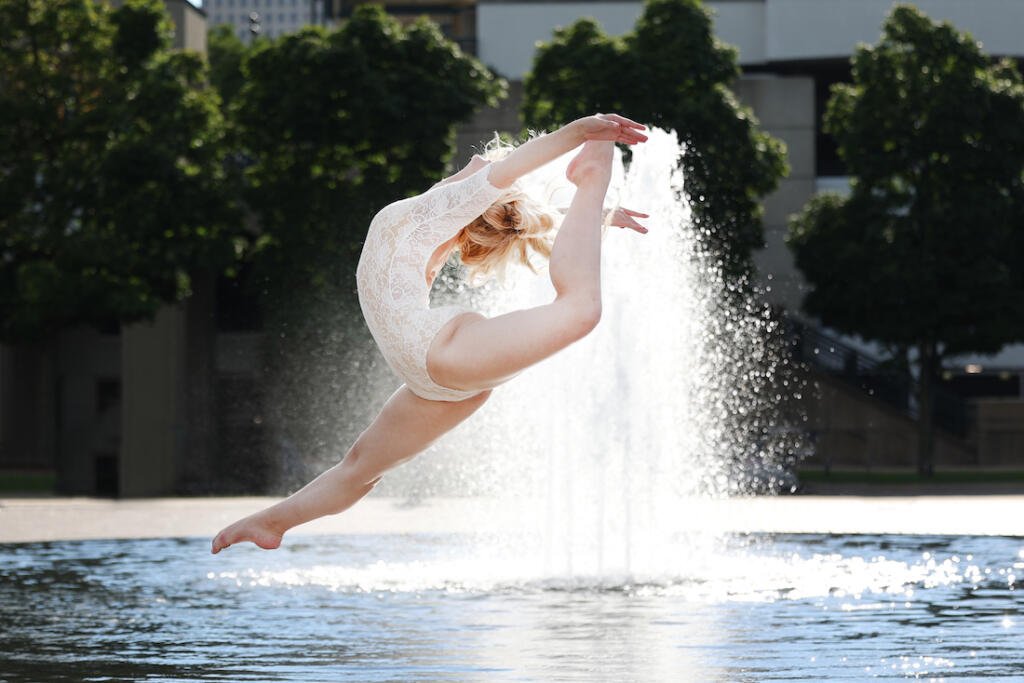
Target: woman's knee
358	466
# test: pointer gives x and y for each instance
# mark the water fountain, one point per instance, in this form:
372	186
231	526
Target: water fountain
591	459
611	435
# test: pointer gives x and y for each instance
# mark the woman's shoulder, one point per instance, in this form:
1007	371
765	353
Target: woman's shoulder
393	211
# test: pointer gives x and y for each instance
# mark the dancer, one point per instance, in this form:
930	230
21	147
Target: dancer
450	357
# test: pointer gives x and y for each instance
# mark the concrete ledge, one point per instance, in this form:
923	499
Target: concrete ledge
52	519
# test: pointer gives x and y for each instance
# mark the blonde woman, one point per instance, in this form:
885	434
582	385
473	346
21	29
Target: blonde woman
449	357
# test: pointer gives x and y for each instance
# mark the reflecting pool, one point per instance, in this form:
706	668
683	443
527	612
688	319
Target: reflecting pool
452	607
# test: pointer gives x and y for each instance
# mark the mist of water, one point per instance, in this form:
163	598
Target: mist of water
675	394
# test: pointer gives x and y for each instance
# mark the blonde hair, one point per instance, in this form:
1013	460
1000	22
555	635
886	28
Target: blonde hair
514	229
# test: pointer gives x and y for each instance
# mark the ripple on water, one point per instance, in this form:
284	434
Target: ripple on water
745	607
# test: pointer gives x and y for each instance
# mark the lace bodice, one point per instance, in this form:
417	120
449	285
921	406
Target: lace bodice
391	276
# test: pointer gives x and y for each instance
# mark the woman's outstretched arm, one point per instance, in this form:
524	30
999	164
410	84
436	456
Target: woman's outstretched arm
534	153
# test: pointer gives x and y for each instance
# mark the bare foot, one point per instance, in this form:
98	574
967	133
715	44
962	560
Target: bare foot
594	158
253	528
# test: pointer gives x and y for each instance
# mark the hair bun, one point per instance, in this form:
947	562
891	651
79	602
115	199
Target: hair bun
512	218
509	230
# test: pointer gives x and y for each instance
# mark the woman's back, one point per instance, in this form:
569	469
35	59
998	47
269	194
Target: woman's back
391	276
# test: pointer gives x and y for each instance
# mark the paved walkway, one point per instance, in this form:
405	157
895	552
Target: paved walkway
48	519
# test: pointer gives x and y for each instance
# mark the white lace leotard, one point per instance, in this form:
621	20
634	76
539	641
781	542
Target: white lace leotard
391	275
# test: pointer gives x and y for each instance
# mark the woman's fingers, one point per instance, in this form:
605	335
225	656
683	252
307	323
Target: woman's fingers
615	128
623	121
623	218
628	129
638	214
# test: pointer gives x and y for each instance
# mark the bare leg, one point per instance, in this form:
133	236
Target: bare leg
474	352
405	426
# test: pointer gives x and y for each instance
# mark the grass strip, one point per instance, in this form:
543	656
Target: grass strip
27	482
911	476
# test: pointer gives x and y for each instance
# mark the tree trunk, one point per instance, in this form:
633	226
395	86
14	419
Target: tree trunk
925	427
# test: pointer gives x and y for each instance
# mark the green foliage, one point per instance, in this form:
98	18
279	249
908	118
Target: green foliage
110	166
337	124
328	127
670	72
927	248
926	251
225	52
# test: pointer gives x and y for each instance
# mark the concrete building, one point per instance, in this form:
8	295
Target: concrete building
456	18
189	25
791	52
271	18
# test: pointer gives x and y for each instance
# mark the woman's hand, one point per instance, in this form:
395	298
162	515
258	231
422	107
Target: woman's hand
624	218
611	127
538	151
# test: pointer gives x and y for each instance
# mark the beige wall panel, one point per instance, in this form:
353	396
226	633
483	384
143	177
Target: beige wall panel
779	101
788	199
194	34
153	366
507	32
799	151
740	23
776	261
815	29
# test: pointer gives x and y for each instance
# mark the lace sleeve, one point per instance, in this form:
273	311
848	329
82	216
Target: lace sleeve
440	212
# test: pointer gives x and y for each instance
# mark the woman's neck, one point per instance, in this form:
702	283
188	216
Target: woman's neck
438	259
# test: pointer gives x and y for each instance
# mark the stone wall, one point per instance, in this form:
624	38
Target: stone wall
1000	432
852	430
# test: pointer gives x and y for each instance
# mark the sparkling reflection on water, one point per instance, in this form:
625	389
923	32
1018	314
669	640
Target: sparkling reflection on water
446	607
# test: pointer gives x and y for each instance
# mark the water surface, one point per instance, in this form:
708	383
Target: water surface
458	608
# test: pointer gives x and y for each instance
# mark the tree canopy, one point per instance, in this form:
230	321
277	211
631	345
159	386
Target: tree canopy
111	166
328	126
336	124
669	71
926	251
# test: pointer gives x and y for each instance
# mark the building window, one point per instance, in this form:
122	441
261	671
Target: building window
827	161
108	394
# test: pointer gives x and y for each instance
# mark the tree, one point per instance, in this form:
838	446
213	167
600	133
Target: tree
110	166
337	124
926	251
671	72
225	52
328	127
